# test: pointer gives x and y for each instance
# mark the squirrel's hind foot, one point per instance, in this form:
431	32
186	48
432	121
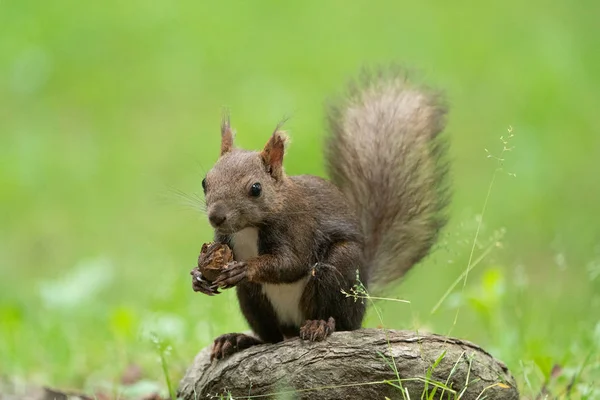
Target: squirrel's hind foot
317	329
230	343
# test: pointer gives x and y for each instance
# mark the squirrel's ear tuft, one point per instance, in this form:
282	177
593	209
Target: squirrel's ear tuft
273	152
226	134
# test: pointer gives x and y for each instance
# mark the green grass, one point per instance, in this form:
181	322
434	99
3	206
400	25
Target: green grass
108	109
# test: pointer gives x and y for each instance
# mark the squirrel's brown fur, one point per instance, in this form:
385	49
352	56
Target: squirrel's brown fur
298	241
385	153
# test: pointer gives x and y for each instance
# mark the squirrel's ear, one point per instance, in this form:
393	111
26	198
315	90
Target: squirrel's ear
272	154
226	134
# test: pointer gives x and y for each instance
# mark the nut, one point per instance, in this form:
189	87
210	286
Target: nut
213	258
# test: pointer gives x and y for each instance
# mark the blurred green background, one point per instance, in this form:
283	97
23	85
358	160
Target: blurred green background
109	111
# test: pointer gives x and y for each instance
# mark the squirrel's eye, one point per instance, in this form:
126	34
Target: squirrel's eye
255	189
204	185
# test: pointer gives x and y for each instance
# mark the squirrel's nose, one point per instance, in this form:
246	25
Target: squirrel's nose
216	219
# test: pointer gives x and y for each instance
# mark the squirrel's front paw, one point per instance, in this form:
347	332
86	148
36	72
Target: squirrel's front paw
233	273
317	329
200	284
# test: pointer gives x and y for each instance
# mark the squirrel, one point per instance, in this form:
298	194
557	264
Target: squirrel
300	241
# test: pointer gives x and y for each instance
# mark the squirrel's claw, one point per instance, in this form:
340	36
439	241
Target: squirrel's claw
317	329
199	284
228	344
234	273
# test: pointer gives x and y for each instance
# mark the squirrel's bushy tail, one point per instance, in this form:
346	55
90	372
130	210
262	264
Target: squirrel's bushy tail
384	151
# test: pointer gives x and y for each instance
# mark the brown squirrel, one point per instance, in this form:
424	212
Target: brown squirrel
298	241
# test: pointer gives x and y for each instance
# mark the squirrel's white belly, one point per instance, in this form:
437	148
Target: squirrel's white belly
285	297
